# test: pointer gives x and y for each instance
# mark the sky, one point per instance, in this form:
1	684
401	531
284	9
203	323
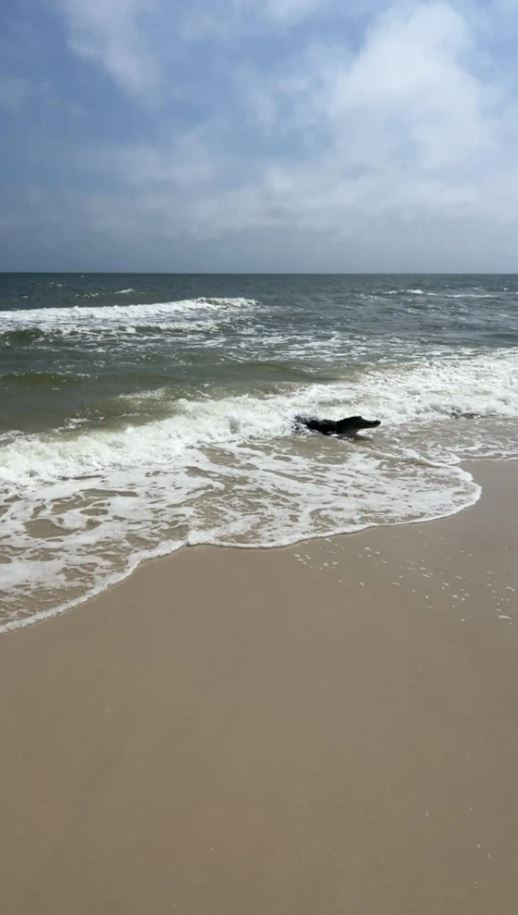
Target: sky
248	136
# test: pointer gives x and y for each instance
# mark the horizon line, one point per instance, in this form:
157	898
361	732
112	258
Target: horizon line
261	273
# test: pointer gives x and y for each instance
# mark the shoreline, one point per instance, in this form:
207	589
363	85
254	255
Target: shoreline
44	616
324	727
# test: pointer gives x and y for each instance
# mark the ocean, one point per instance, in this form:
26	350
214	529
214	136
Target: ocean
143	413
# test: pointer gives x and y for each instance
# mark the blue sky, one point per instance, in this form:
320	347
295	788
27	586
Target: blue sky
233	135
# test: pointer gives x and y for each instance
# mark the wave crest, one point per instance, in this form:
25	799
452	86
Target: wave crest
96	319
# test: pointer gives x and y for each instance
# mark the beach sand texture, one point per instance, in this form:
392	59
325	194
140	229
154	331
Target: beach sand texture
330	727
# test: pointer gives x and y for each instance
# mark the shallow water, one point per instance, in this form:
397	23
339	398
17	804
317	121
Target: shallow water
142	413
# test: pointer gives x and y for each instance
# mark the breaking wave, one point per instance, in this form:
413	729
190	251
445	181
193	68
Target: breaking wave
96	320
81	508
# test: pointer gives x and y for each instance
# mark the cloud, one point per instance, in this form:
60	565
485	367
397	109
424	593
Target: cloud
113	35
322	139
230	19
132	40
398	134
291	10
410	92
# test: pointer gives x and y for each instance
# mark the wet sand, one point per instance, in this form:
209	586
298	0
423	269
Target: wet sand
326	728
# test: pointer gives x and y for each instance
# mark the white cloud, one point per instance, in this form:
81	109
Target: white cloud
386	149
231	19
408	92
287	11
400	132
111	33
132	40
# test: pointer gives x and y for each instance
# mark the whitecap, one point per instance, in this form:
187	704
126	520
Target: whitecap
232	471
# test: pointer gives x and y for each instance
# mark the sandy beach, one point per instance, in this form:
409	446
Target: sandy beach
325	728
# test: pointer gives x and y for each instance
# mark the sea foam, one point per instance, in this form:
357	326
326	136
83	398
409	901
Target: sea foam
82	507
96	319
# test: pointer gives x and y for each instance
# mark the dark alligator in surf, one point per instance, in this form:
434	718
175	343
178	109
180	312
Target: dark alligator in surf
348	426
458	414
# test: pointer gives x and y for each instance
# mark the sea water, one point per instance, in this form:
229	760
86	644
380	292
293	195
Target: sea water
142	413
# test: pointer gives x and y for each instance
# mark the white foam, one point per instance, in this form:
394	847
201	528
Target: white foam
404	292
232	471
444	295
400	395
244	495
96	319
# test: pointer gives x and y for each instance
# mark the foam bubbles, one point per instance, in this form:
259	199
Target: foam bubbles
81	508
82	505
98	320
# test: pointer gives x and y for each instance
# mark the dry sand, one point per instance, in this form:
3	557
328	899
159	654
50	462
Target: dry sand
326	728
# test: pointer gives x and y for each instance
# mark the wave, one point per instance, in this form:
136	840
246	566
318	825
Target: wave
81	508
106	534
445	295
404	292
84	318
398	394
